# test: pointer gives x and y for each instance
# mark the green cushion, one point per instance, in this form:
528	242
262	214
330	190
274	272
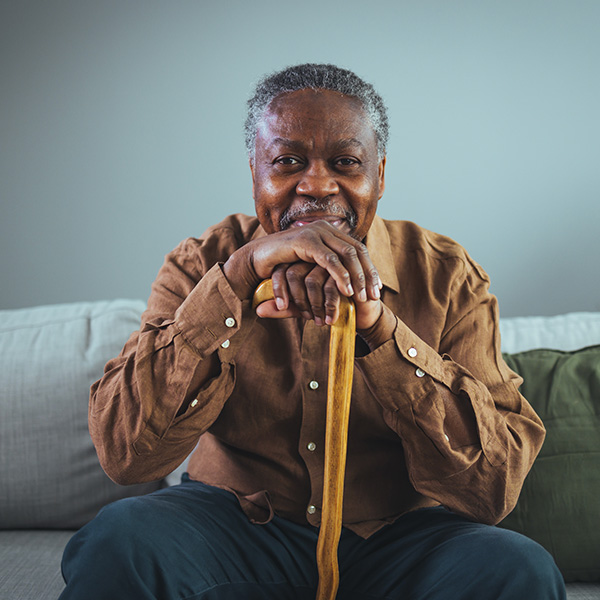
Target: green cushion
560	503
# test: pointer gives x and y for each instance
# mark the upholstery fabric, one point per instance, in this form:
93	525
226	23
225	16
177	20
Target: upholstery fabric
50	476
583	591
559	505
564	332
31	564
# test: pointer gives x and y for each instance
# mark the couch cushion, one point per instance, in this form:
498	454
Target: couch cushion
31	564
566	332
583	591
559	504
50	476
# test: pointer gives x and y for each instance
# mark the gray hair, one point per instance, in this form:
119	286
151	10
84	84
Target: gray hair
316	77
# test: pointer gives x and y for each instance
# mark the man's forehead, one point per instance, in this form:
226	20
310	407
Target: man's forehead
308	102
313	94
291	115
280	141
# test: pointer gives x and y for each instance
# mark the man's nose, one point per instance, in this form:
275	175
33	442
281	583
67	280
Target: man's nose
317	181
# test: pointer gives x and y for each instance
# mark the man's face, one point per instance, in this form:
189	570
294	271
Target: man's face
316	158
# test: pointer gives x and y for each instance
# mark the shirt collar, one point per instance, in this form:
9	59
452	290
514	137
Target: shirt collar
380	250
259	232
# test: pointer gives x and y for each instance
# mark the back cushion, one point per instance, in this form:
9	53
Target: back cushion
559	506
50	476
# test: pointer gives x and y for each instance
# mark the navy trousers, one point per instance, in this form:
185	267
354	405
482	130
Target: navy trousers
193	541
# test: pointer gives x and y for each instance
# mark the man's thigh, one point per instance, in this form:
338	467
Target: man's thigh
433	554
194	542
188	541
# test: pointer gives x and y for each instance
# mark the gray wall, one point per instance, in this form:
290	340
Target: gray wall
120	132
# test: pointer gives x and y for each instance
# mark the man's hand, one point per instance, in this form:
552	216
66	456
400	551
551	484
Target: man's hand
311	266
308	291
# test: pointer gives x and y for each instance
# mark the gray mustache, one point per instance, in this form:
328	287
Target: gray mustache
316	206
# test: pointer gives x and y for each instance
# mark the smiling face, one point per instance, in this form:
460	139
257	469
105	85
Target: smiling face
316	158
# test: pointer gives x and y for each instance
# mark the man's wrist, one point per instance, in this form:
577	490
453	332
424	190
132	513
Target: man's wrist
381	331
241	276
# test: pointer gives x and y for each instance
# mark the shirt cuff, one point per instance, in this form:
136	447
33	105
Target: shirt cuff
211	314
381	331
414	362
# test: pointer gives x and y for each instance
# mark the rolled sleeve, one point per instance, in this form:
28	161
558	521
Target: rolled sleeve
457	423
211	314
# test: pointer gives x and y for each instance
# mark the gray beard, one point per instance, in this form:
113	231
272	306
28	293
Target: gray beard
288	216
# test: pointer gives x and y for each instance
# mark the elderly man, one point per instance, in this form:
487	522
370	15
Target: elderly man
440	440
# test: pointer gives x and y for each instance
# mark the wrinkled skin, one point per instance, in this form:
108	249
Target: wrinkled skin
316	181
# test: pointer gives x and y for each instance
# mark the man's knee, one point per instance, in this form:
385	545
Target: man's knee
511	564
105	539
121	520
531	568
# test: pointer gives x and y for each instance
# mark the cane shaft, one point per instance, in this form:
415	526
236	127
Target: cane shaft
339	389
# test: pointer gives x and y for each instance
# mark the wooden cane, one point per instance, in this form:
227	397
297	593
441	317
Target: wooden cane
339	390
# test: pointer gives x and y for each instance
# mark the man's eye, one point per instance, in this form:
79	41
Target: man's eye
287	160
347	162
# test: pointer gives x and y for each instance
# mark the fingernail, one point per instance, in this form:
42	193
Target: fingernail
329	320
362	295
318	321
350	289
306	315
376	292
280	303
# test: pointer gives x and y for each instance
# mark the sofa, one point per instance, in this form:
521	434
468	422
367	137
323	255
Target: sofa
51	482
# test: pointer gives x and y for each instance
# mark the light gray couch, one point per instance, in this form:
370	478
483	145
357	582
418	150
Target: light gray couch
50	480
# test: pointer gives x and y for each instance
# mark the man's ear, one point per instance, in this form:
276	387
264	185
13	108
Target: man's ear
251	163
382	176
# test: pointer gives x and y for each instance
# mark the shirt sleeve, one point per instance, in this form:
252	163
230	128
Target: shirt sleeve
172	378
468	435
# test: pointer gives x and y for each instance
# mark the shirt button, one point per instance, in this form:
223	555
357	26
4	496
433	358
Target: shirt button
225	344
311	510
194	402
230	322
412	352
311	446
420	373
313	385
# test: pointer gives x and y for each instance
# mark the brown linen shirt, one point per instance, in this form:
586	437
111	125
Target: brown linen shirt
436	415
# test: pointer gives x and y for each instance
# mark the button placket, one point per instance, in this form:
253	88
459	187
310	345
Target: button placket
314	345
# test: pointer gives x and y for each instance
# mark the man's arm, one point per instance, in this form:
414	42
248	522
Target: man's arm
469	437
174	375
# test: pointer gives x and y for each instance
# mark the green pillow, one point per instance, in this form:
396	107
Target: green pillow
559	506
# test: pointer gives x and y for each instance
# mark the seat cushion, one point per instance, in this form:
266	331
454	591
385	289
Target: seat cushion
559	505
50	476
31	564
583	591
